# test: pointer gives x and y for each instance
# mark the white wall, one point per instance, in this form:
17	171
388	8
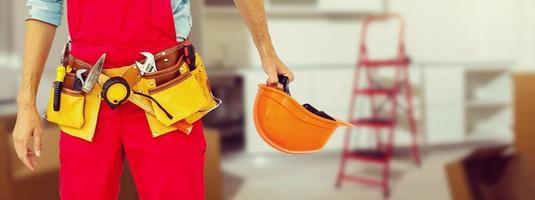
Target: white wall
437	30
526	34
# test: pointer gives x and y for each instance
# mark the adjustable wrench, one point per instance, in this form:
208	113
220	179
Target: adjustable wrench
149	65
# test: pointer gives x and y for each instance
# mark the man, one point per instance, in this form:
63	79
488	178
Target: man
164	167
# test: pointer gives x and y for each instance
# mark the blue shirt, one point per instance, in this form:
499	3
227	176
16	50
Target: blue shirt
51	11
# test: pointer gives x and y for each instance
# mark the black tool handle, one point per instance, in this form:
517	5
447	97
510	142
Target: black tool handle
77	86
285	81
57	95
191	58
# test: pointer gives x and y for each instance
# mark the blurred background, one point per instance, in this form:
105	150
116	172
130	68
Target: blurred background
472	91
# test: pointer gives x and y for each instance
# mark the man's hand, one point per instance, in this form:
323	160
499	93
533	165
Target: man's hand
28	124
273	66
254	15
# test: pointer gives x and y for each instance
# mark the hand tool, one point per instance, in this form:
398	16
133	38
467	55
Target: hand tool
115	91
60	75
79	81
58	86
94	74
189	55
149	65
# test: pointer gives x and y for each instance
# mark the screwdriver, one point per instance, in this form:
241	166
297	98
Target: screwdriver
61	71
58	86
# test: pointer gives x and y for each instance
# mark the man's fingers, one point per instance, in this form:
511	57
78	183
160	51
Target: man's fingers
25	158
272	76
20	147
284	71
289	75
31	158
22	151
37	142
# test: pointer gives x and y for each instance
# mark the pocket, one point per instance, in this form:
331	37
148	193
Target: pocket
71	112
177	99
168	74
211	102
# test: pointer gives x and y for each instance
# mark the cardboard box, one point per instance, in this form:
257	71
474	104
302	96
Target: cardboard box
502	172
492	173
524	114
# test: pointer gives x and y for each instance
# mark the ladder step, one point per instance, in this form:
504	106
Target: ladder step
362	179
374	123
369	155
385	62
377	91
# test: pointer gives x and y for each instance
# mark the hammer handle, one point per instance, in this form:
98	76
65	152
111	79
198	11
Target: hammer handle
57	95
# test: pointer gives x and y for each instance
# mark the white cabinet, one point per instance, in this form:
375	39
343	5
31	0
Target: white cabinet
444	124
443	97
466	101
444	86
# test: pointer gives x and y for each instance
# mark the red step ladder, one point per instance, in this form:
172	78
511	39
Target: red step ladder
380	119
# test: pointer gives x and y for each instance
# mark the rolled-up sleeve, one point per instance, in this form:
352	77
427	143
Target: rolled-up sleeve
49	11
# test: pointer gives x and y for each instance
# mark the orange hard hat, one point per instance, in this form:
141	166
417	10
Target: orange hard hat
286	125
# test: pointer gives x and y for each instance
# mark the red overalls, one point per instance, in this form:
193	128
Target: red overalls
166	167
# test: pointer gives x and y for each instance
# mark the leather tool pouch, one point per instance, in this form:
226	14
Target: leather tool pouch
71	112
167	74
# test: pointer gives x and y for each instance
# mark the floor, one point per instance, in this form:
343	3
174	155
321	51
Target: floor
291	177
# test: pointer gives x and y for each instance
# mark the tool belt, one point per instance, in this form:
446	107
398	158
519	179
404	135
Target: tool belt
173	97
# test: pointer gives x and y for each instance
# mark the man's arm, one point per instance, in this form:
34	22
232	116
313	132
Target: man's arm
254	14
37	43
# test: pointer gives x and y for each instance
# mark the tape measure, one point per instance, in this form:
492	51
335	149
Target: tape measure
115	91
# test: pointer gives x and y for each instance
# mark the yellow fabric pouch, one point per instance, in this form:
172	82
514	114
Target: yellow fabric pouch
211	101
177	99
89	111
71	111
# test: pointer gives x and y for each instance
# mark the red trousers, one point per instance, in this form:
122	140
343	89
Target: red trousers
167	167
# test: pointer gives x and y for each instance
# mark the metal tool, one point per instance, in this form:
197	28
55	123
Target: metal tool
93	75
65	56
149	65
61	71
115	91
79	81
